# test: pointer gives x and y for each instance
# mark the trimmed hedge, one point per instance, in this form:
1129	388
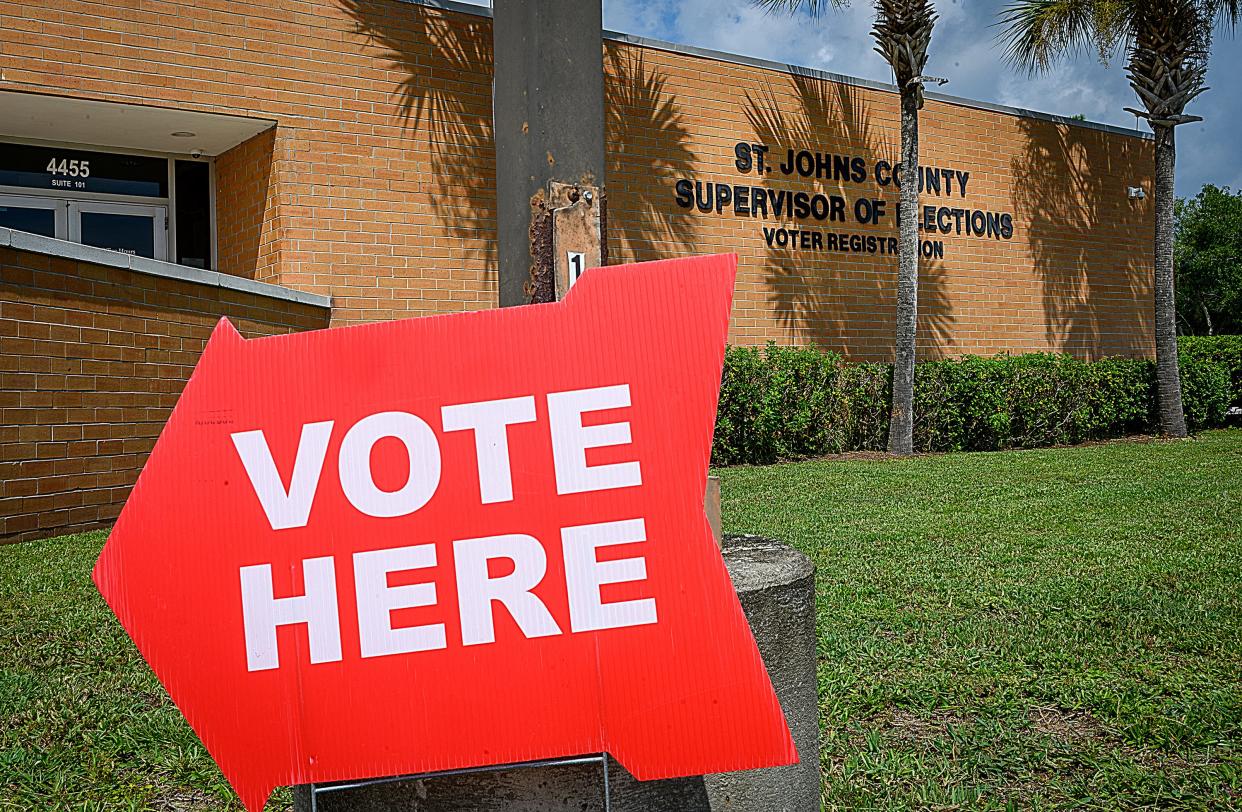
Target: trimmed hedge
780	403
1027	401
1206	392
1224	350
791	402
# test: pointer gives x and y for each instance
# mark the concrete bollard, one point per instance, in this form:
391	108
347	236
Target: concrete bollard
776	587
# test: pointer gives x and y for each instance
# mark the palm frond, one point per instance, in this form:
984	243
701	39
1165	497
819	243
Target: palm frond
1228	12
1037	33
815	8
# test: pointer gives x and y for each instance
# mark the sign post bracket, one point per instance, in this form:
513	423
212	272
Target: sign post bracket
596	758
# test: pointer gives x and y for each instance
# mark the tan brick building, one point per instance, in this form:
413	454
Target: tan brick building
306	162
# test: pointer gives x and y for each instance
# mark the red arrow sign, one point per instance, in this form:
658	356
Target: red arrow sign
452	541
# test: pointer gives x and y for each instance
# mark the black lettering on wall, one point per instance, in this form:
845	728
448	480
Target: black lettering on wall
742	152
685	193
803	205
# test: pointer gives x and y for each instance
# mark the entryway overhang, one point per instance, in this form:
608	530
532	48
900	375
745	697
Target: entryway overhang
35	116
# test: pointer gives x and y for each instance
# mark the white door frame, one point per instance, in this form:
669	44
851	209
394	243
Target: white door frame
157	213
45	203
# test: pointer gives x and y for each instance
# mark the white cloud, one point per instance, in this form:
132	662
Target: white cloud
638	17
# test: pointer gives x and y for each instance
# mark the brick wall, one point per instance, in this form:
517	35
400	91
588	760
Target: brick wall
378	184
1074	277
92	360
376	187
247	211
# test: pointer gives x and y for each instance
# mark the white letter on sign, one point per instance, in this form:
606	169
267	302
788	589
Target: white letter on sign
585	574
476	589
355	464
490	420
262	613
376	600
290	508
571	439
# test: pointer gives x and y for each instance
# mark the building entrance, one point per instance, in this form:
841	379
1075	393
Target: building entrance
138	229
153	206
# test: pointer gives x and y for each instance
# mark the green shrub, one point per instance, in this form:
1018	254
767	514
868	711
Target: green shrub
1224	350
743	388
1026	401
793	402
1205	392
868	391
1117	394
780	403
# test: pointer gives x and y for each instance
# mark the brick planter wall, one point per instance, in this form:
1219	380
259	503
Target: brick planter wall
92	359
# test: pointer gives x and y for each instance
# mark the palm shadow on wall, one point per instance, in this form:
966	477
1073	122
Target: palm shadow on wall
829	298
445	61
1088	274
647	150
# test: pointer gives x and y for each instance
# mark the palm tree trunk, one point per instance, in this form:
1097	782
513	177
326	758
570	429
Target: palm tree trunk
1168	379
901	419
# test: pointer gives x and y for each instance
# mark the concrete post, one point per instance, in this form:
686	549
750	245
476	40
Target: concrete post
776	586
548	115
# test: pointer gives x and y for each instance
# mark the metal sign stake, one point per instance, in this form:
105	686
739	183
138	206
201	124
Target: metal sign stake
600	758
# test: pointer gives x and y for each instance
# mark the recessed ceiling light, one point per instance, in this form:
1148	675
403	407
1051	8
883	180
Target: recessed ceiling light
183	134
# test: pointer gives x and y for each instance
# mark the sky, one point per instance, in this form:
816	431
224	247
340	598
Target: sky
964	50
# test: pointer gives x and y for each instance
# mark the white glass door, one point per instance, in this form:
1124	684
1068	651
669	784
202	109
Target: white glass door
37	215
126	227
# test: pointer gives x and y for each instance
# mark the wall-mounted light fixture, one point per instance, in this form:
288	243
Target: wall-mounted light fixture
1136	192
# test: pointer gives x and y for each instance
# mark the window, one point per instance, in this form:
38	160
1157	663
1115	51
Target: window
130	229
36	215
193	188
68	169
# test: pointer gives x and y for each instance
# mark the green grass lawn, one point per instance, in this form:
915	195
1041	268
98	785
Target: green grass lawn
1044	629
1035	629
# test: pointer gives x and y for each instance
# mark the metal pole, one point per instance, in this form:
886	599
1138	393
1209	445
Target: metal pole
607	790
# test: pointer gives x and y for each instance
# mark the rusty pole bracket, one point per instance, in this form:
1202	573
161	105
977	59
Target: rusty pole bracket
566	238
576	232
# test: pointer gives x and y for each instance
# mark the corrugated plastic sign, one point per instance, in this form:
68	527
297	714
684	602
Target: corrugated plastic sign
450	542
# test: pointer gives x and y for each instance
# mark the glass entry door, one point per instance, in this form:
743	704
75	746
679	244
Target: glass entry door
132	228
37	215
125	227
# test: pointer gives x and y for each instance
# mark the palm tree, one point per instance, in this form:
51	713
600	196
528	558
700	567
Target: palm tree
1167	43
902	32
